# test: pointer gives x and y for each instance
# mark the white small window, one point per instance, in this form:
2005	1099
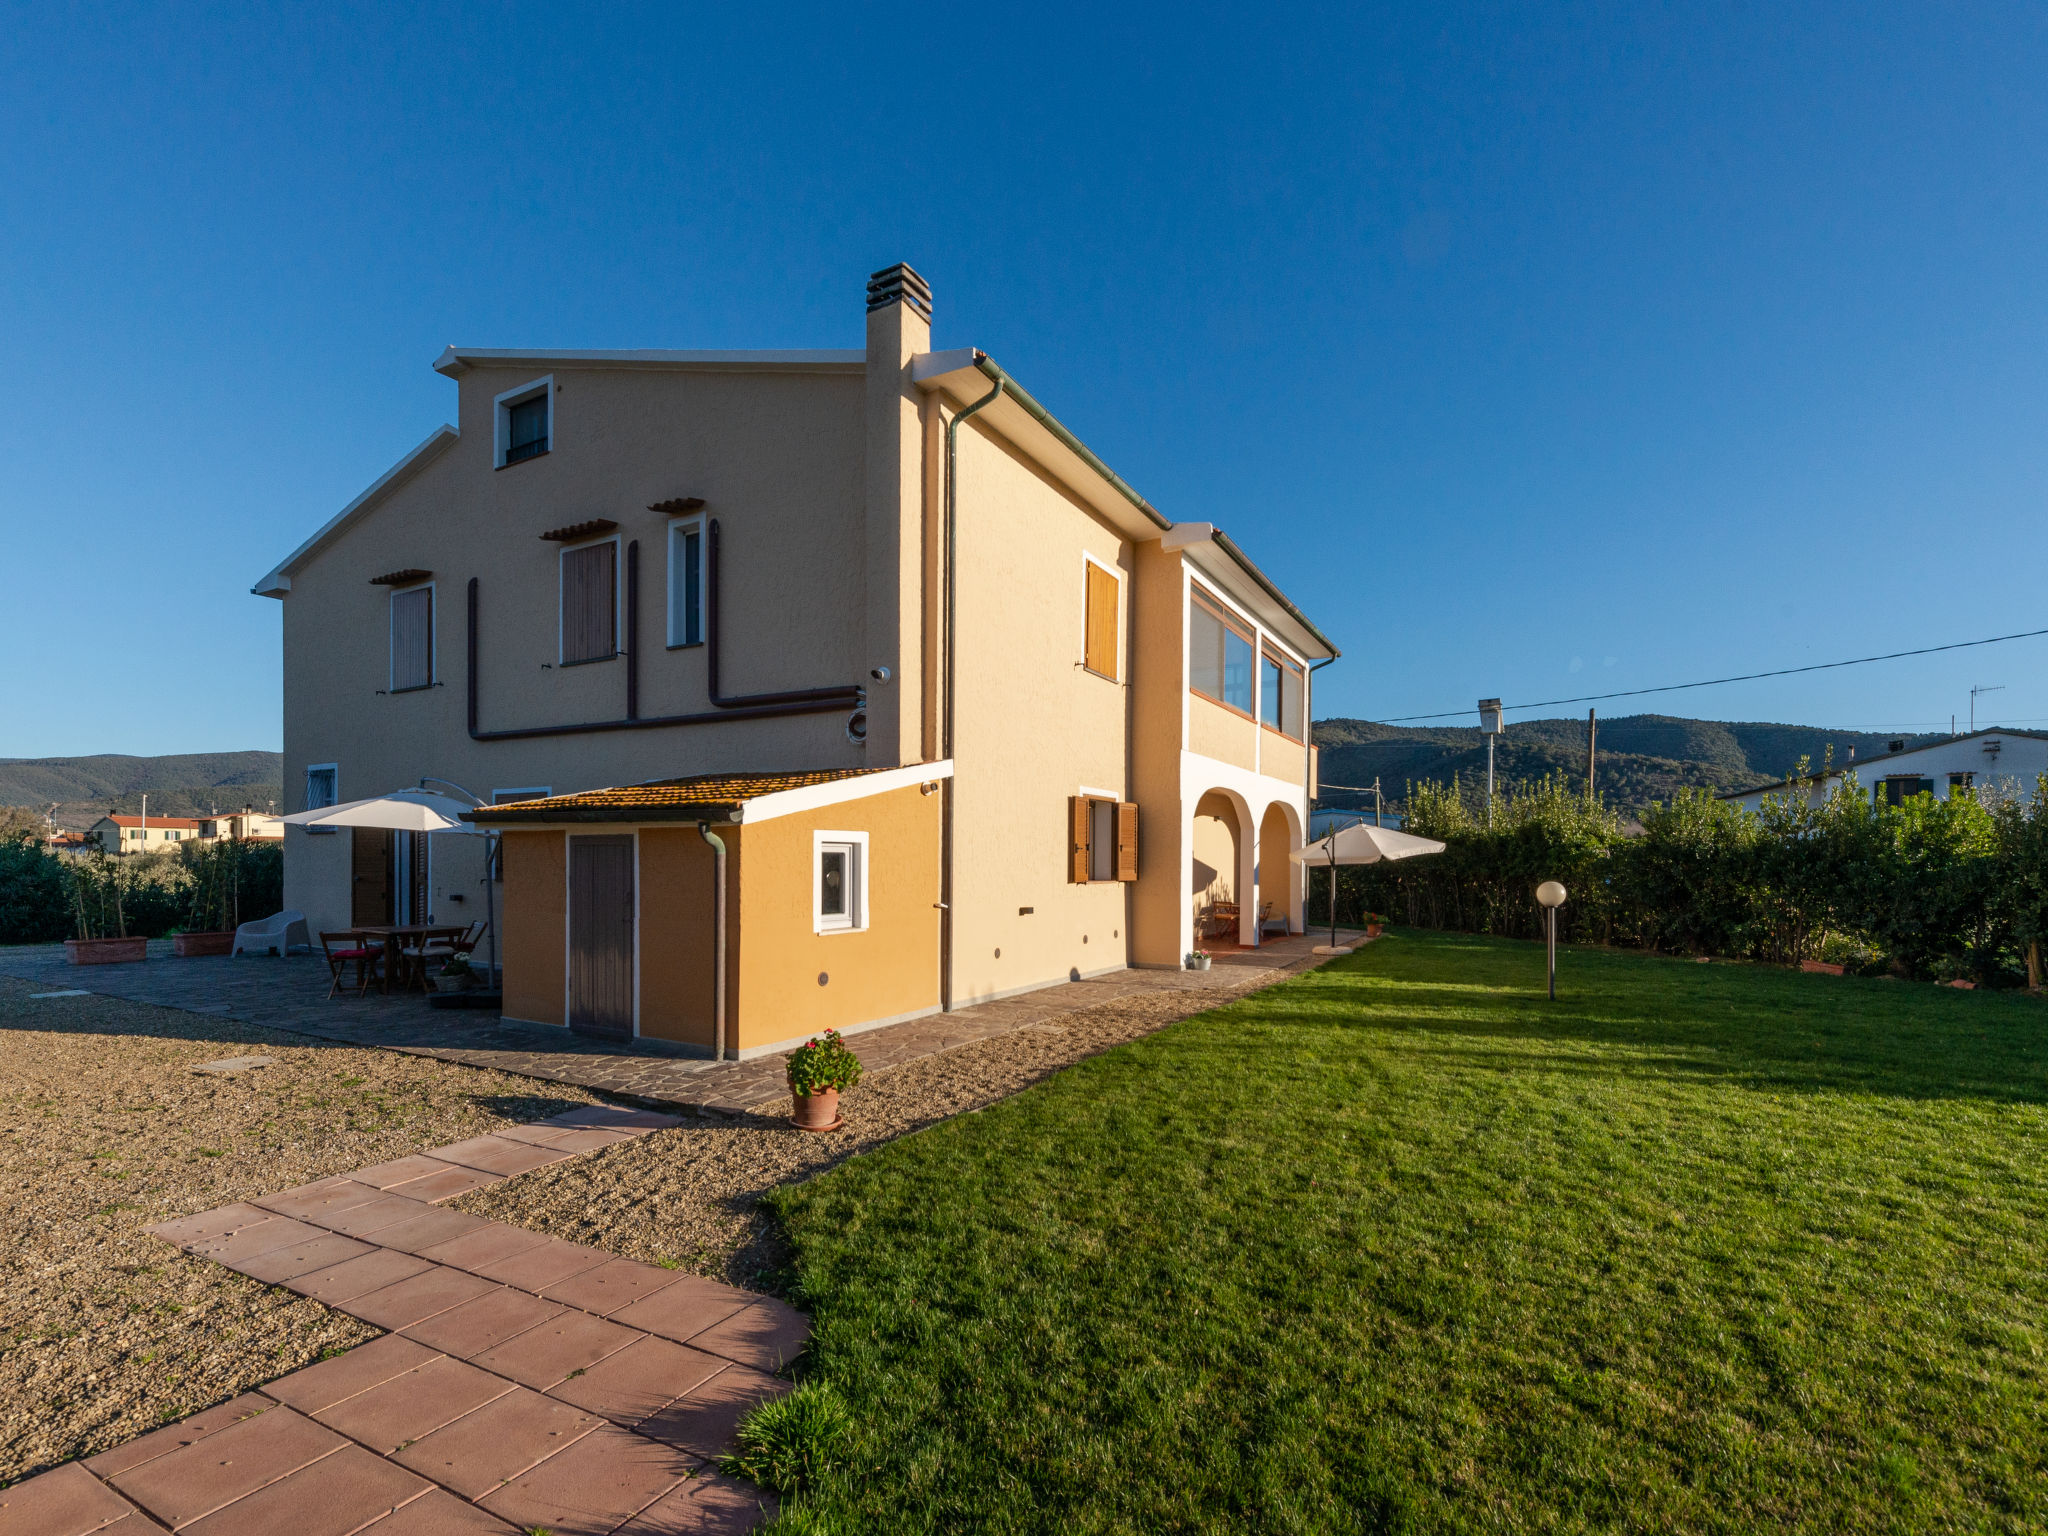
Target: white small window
839	882
525	422
323	787
686	581
412	638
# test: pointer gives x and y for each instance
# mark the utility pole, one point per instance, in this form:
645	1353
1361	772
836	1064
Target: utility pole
1592	739
1378	800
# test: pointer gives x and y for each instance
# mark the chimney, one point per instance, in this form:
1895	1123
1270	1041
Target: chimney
899	329
900	284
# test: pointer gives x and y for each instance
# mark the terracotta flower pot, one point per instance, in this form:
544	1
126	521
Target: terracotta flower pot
817	1111
105	951
1372	930
217	942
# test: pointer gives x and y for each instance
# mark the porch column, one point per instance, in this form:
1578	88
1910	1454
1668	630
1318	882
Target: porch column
1248	878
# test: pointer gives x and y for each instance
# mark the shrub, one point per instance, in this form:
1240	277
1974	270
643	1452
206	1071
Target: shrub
34	901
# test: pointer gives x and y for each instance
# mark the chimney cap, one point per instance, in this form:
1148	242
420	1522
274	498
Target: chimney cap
899	284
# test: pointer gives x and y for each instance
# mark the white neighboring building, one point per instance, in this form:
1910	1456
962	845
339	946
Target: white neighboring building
1939	768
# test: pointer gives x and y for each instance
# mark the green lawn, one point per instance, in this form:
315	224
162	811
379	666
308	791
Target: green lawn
1402	1246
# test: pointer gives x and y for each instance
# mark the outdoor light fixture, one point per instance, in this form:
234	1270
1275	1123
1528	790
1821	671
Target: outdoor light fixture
1489	727
1551	896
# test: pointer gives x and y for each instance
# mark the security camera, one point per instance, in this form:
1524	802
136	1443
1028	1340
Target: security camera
879	674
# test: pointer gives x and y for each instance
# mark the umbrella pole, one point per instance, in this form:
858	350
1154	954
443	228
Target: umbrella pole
1333	889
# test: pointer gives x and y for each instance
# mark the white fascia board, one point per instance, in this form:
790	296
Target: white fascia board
1214	565
458	360
279	581
1187	535
813	797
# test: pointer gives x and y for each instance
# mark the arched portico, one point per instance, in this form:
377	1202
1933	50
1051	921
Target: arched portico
1280	877
1242	853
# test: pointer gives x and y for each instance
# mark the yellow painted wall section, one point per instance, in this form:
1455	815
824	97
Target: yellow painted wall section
535	915
889	969
1282	758
1034	728
1158	687
1277	871
1220	733
676	925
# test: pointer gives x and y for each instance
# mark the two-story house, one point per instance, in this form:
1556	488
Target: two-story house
860	659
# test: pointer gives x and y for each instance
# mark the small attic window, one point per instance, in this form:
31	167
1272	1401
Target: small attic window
526	426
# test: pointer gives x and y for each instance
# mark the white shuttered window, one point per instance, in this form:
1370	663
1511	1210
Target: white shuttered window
589	603
412	638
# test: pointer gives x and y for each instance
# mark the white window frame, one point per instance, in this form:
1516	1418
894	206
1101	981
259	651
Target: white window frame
433	637
618	597
1116	675
856	918
306	786
501	417
677	529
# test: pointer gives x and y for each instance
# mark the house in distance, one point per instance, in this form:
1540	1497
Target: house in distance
1937	768
858	657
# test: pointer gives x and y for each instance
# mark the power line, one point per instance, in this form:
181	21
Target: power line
1715	682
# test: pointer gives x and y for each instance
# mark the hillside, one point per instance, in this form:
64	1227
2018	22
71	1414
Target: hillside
1642	757
85	788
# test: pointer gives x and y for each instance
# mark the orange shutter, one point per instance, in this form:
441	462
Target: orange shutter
1126	841
1101	637
1077	839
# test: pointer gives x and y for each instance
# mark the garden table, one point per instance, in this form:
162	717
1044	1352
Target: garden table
394	936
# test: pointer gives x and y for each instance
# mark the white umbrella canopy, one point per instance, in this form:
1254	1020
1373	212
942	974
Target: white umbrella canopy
405	810
1362	844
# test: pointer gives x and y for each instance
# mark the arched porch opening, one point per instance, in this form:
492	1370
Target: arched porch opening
1280	876
1218	846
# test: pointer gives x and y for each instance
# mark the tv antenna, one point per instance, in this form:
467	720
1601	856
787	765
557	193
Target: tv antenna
1994	688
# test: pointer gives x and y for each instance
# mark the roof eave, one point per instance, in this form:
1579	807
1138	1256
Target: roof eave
456	361
279	581
510	815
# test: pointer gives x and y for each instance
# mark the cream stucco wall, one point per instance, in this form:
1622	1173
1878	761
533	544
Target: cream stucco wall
1221	733
777	458
1034	727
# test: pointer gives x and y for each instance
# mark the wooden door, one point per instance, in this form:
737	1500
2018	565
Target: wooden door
370	870
601	937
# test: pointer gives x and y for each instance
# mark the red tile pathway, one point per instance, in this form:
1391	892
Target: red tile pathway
526	1383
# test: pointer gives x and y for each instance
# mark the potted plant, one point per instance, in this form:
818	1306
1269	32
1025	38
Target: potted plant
819	1071
209	927
454	976
96	883
1374	922
1196	959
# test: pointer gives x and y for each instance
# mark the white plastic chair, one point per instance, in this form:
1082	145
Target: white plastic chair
275	935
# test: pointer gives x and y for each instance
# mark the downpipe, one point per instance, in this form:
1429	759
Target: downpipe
717	938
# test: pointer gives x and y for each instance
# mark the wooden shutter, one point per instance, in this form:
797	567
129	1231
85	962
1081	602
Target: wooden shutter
1077	839
412	638
1126	841
1101	654
589	587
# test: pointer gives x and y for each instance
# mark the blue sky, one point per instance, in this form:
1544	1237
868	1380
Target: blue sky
1534	351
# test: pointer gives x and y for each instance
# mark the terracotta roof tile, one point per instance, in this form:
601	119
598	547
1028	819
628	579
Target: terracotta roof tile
662	799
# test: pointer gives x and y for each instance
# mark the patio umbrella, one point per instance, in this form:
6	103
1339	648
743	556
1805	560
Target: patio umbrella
408	810
1362	844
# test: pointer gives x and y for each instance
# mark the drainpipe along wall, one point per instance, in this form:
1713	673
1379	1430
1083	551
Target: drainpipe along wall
717	938
946	742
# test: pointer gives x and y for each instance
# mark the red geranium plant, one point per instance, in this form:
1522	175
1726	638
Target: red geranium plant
820	1063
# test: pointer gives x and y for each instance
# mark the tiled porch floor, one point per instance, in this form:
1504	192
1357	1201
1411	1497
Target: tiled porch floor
290	994
523	1382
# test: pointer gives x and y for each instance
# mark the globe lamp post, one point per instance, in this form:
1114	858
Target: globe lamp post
1551	895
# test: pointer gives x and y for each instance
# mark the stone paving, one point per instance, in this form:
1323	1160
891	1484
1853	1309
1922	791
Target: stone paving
290	994
523	1383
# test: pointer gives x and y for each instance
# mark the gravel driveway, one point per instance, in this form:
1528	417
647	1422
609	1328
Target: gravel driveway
106	1129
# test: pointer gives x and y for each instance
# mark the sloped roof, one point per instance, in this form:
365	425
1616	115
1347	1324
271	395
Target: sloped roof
701	798
182	823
